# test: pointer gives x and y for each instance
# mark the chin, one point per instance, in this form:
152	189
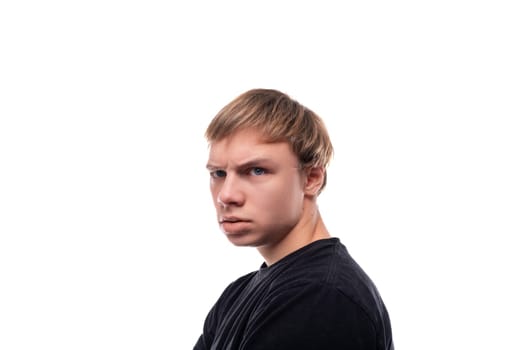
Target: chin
243	239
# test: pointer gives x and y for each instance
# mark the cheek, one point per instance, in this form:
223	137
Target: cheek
285	201
213	193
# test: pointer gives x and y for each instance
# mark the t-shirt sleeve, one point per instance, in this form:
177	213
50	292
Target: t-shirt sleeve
310	317
219	308
206	338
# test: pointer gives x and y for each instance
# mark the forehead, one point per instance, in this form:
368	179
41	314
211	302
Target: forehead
248	145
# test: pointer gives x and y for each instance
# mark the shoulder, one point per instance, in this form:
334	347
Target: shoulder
328	281
310	315
323	299
326	264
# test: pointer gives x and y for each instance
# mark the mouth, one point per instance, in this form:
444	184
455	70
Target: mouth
231	219
234	226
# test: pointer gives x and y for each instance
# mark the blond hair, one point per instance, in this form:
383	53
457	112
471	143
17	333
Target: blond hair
278	118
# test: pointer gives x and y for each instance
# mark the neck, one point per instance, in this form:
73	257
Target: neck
309	229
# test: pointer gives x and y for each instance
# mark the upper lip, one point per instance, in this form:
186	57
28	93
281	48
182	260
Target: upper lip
230	219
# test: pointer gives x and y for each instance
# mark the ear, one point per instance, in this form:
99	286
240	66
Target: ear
314	180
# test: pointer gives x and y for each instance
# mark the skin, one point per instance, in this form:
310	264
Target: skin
262	197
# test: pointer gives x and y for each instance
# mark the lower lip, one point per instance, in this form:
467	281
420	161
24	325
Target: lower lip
234	227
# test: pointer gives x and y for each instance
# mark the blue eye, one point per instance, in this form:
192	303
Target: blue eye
218	173
257	171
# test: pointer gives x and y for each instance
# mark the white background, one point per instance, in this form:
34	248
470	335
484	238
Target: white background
107	231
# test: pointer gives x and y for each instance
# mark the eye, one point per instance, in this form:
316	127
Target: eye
217	173
257	171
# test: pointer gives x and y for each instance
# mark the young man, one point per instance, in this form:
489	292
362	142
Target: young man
267	161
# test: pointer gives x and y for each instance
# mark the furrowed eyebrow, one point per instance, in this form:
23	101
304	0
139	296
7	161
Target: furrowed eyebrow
257	162
212	167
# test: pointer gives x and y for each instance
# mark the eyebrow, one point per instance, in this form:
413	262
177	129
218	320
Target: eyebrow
247	164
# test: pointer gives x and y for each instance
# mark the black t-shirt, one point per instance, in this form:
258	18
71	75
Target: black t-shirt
315	298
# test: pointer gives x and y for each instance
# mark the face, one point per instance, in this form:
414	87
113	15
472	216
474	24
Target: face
257	188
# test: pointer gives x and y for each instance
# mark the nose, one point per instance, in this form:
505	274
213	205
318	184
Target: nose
230	192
